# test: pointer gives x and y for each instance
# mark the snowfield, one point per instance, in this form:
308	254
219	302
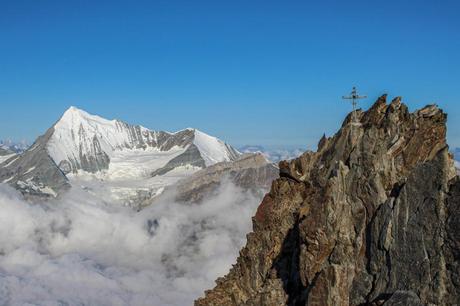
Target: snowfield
128	180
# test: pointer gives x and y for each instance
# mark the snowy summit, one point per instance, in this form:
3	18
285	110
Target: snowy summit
81	141
82	145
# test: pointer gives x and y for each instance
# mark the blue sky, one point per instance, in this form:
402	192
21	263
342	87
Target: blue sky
249	72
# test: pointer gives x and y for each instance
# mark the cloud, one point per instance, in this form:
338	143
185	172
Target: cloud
78	250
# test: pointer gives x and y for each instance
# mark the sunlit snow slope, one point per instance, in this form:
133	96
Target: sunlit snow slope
81	141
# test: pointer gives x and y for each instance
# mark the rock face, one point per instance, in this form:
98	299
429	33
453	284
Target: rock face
34	172
371	218
251	172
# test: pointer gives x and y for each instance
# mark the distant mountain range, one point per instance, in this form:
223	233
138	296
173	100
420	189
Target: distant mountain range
13	146
273	154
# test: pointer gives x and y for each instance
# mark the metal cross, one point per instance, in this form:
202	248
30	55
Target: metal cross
354	97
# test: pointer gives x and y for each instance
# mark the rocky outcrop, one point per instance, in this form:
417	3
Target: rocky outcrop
371	218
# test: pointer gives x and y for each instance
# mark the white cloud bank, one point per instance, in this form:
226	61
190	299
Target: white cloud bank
78	251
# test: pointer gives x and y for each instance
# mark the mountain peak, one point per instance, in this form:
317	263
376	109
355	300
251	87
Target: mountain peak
75	111
346	224
74	116
83	141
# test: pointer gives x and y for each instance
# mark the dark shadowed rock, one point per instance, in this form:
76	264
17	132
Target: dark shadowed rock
371	218
403	298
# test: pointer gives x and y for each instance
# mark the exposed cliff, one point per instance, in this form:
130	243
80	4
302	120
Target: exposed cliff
371	218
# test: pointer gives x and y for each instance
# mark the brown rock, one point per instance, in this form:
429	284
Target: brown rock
369	219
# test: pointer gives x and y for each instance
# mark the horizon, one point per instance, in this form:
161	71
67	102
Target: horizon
254	73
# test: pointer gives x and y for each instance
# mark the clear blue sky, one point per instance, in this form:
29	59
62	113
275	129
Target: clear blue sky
249	72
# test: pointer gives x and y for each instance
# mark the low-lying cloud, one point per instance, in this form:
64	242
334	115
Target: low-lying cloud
79	251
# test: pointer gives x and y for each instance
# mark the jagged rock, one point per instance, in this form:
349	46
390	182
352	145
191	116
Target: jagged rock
371	218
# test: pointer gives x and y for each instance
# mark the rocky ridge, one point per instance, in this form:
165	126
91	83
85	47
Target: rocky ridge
34	172
251	172
371	218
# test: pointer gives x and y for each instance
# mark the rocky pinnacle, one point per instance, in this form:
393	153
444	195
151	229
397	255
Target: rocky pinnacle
371	218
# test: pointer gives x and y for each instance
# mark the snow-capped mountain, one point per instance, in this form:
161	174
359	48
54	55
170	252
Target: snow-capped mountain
81	147
81	141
